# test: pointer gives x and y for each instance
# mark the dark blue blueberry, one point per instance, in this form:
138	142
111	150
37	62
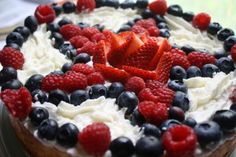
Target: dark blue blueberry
226	119
213	28
193	71
188	16
122	147
219	54
175	10
112	3
159	19
128	100
176	85
209	70
12	84
82	58
164	33
229	43
34	82
100	3
83	25
13	45
57	39
57	8
181	100
31	23
67	135
39	95
56	96
24	31
149	146
147	13
137	118
15	37
190	122
175	46
68	50
37	115
168	124
99	27
115	89
142	4
7	74
162	25
53	27
137	18
57	72
66	67
124	28
233	107
187	49
176	113
224	33
64	21
69	7
151	130
127	4
225	64
177	73
208	133
48	129
78	96
130	23
97	91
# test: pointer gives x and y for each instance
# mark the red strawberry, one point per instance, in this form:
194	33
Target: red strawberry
112	74
18	102
97	37
95	139
164	95
153	31
146	95
95	78
86	5
68	31
82	68
100	55
146	23
180	59
154	84
139	30
52	82
153	113
10	57
78	41
88	47
44	14
115	40
135	84
145	74
201	21
233	53
199	59
158	6
89	32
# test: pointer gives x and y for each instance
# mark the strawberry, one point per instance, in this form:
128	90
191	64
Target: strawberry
45	14
68	31
115	40
158	7
146	23
78	41
154	84
89	5
146	95
82	68
180	59
139	30
95	139
153	31
135	84
199	59
145	74
52	82
89	32
18	102
233	53
112	74
95	78
100	55
164	95
201	21
164	66
97	37
10	57
88	47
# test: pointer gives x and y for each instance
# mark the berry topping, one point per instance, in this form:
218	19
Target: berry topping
78	41
135	84
177	73
31	23
153	84
89	32
190	122
68	7
175	10
24	32
12	84
57	8
82	68
164	95
7	74
229	43
56	96
213	28
95	78
37	115
64	21
201	21
44	14
115	89
199	59
39	95
176	113
151	130
181	100
179	58
97	91
137	118
233	52
169	124
142	4
224	33
233	107
176	85
69	30
57	38
34	82
158	6
193	71
209	70
48	129
188	16
145	74
83	5
82	58
78	96
128	100
147	95
52	82
88	47
225	64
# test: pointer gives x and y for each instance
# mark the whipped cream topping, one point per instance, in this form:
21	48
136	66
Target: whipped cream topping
183	33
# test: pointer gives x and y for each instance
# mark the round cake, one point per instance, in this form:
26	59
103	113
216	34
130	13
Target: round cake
109	79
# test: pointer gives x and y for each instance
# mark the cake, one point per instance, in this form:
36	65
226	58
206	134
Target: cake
103	78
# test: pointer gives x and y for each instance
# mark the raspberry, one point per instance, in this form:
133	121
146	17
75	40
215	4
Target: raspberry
146	95
233	96
89	32
10	57
201	21
153	113
180	141
52	82
158	7
181	60
18	102
95	139
78	41
139	30
199	59
135	84
45	14
88	47
153	31
95	78
178	51
233	53
82	68
164	95
68	31
146	23
73	81
154	84
86	5
97	37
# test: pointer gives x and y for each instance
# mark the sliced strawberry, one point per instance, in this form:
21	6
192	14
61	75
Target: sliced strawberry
86	5
115	40
101	52
145	74
158	7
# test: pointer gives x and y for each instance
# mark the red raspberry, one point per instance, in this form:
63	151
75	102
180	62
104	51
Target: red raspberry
158	6
233	96
153	113
78	41
68	31
95	78
52	82
164	95
178	51
88	47
146	95
45	14
233	53
86	5
73	81
180	141
89	32
97	37
180	59
83	68
139	30
135	84
153	31
199	59
154	84
10	57
18	102
95	139
201	21
146	23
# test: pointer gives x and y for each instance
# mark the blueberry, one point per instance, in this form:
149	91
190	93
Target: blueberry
67	135
56	96
57	9
229	42
225	64
82	58
100	3
159	19
124	28
187	49
115	89
34	82
208	133
37	115
137	118
112	3
12	84
15	37
48	129
57	72
149	146
97	91
31	23
64	21
69	7
177	73
66	67
176	113
24	31
13	45
127	4
130	23
226	119
219	54
146	13
168	124
213	28
68	50
209	70
164	33
224	33
193	71
78	96
128	100
181	100
190	122
176	85
162	25
175	10
53	27
7	74
57	39
151	130
99	27
188	16
136	19
142	4
122	147
233	107
39	95
83	25
175	46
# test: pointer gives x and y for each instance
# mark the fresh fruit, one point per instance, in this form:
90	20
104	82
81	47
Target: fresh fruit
145	74
24	31
124	28
177	73
57	38
175	10
66	67
224	33
158	6
153	84
31	23
82	68
199	59
225	64
176	113
135	84
12	84
147	13
95	78
209	70
86	5
190	122
68	7
13	45
233	52
164	95
82	58
37	115
165	33
233	107
115	89
147	95
180	59
83	25
142	4
95	139
201	21
7	74
193	71
151	130
52	82
229	43
39	95
139	30
56	96
102	49
213	28
68	50
187	48
146	23
127	4
233	96
64	21
44	14
48	129
89	32
169	124
34	82
88	47
97	91
137	118
181	100
97	37
188	16
78	41
128	100
78	97
176	85
69	30
15	38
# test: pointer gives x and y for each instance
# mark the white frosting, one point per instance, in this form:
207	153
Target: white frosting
183	33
